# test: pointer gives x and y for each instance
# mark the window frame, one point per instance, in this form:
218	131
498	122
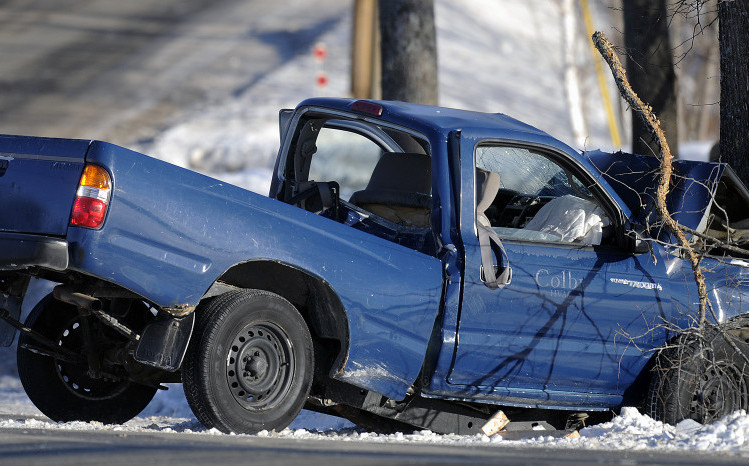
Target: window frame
353	122
573	167
316	160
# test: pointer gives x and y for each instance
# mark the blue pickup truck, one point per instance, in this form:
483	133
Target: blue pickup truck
412	266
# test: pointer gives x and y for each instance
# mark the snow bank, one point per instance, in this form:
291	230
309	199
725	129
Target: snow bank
628	431
237	140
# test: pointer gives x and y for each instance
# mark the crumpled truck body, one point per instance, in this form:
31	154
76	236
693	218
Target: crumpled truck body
408	306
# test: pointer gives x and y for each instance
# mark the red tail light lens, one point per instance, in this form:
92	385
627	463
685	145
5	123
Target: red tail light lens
92	198
88	212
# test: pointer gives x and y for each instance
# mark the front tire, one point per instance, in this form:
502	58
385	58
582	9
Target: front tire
250	363
65	391
700	378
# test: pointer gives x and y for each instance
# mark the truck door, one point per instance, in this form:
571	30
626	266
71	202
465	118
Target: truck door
580	312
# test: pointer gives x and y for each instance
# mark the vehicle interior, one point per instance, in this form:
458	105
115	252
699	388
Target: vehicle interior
378	179
538	199
371	177
728	217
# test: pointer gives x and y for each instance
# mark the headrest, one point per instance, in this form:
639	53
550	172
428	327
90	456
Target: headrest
487	187
402	172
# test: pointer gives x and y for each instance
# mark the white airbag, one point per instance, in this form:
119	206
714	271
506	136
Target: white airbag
572	218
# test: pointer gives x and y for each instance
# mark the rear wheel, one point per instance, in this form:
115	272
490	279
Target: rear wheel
249	365
63	388
702	379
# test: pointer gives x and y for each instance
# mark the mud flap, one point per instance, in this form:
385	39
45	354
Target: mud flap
13	288
164	342
10	306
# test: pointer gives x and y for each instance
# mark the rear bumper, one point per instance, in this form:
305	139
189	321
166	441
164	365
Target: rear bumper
19	251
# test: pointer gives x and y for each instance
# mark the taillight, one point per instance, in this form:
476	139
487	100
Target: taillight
92	198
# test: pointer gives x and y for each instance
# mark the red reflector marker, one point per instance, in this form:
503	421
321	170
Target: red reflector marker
367	107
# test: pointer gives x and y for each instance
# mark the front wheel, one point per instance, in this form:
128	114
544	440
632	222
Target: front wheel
700	377
249	366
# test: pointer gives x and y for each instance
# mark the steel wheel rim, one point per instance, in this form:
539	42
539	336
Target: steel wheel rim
76	379
722	390
260	366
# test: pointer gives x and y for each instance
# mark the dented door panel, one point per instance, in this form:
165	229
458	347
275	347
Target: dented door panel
574	327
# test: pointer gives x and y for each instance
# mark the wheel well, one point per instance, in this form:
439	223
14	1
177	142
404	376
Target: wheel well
738	326
312	296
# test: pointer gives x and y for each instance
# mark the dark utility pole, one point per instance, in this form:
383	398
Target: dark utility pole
408	45
733	38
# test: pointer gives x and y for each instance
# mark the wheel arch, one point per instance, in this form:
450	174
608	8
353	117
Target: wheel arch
310	294
738	326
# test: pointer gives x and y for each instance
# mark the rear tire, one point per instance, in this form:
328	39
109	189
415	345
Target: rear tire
64	391
250	363
702	379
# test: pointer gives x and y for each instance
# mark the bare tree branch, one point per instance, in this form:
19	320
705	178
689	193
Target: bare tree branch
664	153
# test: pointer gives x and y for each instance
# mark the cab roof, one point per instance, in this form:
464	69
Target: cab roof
439	119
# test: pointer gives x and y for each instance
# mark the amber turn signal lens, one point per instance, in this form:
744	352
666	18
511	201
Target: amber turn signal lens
96	177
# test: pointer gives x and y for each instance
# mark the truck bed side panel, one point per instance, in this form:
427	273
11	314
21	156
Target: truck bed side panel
170	233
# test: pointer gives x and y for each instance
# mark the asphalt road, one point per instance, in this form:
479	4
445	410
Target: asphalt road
122	71
58	447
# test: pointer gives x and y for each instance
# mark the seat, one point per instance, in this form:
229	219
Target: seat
399	189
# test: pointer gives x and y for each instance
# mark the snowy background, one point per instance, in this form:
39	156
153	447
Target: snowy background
513	57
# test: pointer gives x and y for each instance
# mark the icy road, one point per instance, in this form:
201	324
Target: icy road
24	446
29	439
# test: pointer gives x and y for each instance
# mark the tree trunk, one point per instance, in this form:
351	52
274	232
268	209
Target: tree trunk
408	42
365	56
733	37
650	70
571	78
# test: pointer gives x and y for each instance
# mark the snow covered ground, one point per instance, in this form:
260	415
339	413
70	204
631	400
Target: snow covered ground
628	431
494	56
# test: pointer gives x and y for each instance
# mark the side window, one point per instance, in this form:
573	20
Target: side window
537	199
346	157
390	183
372	178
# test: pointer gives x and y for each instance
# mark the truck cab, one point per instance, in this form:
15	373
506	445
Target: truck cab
569	315
563	238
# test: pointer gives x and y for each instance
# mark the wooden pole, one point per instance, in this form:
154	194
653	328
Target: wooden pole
365	56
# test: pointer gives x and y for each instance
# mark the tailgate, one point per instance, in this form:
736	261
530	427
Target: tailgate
38	182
